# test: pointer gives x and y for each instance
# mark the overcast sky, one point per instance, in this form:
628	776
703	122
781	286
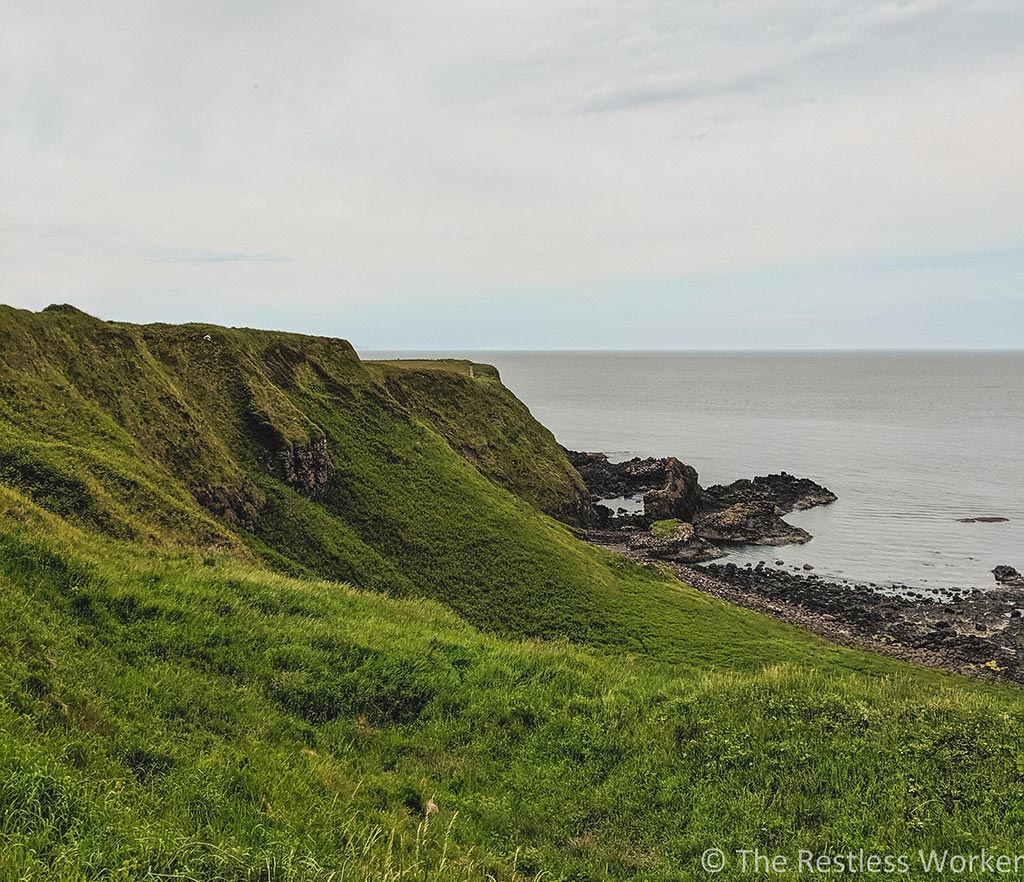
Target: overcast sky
533	174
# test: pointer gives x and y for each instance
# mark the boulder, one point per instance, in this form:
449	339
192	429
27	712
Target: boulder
679	496
749	523
1006	575
786	492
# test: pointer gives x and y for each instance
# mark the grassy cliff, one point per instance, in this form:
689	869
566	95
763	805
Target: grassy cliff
265	617
469	407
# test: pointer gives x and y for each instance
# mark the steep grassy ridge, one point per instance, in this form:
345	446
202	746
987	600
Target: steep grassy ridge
184	695
120	428
482	420
138	422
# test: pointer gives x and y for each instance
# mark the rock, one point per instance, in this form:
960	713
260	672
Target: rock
679	496
605	479
983	520
746	511
786	492
808	567
238	504
1006	575
669	486
305	467
682	546
749	523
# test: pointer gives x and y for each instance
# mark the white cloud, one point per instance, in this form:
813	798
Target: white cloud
272	161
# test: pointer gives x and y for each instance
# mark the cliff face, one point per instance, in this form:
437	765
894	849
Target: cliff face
419	479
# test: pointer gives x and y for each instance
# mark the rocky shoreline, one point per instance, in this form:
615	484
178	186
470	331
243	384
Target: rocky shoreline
685	522
970	631
978	633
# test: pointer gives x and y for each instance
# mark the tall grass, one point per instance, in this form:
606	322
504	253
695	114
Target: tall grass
193	717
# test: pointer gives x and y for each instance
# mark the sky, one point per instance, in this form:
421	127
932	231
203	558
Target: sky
537	174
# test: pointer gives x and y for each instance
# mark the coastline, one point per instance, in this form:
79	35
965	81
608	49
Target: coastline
976	634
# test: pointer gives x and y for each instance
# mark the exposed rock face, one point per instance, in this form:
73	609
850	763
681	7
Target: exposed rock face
786	492
1006	575
669	486
752	523
678	497
238	504
305	467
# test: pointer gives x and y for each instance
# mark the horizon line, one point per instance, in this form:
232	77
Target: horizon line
894	349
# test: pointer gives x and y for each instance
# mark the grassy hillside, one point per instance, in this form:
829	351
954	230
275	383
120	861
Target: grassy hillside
124	428
468	406
262	618
190	716
121	429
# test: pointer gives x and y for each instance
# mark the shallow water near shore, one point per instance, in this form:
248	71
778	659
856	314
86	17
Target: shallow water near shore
910	442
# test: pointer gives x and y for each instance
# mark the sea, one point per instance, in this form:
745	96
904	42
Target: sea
911	442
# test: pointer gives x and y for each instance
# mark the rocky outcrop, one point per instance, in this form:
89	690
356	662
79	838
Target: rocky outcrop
669	486
679	495
1006	575
784	491
744	512
304	467
681	545
239	504
749	523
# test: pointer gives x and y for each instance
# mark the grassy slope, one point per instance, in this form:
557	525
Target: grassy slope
111	425
195	716
168	703
482	420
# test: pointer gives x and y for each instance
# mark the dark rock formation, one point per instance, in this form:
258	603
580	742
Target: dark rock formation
669	486
749	523
679	495
786	492
305	467
744	512
985	519
1006	575
238	504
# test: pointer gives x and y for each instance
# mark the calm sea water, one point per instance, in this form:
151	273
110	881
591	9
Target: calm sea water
909	441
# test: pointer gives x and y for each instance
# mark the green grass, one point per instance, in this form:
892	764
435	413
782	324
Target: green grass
485	423
460	366
196	717
666	528
186	696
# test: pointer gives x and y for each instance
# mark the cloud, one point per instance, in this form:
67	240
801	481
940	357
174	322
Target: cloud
354	163
214	257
